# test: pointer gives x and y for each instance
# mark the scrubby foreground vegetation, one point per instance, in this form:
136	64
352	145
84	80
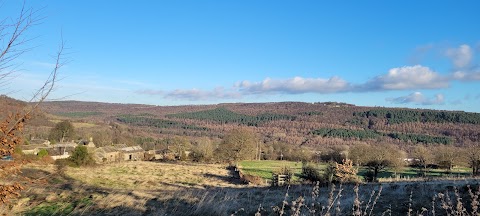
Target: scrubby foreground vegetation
152	188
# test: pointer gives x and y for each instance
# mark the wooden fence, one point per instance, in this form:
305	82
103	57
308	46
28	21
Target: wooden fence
280	180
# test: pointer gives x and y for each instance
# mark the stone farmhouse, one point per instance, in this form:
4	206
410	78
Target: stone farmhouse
105	154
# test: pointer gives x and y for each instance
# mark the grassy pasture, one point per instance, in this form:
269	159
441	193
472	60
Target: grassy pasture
152	188
265	168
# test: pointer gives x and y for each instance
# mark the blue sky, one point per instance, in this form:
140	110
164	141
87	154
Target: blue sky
418	54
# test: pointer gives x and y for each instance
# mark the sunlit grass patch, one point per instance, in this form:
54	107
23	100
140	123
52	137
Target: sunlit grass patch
265	168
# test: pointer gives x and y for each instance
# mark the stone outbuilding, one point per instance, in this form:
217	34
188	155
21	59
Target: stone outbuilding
108	154
135	153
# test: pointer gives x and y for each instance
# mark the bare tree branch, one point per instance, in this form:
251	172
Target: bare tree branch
12	45
12	41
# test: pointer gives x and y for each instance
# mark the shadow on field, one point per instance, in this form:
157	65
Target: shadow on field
62	195
226	179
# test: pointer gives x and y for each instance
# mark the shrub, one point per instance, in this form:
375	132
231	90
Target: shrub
251	179
311	173
42	153
18	151
330	173
369	176
345	172
81	157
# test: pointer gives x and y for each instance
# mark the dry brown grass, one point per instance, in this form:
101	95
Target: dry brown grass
150	188
143	175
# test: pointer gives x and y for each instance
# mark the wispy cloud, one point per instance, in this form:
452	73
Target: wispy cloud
296	85
419	99
467	75
197	94
420	53
460	56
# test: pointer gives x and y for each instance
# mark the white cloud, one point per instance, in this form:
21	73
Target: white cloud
401	78
461	56
406	78
415	77
296	85
473	75
419	99
197	94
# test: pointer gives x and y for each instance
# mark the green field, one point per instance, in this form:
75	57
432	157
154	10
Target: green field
265	168
411	172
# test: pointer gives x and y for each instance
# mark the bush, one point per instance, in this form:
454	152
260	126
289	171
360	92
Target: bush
81	157
346	172
311	173
369	176
251	179
42	153
330	173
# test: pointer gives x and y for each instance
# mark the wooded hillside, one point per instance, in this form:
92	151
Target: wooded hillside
292	123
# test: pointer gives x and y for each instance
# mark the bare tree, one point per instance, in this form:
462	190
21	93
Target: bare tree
422	157
472	156
239	144
376	157
13	45
62	130
447	157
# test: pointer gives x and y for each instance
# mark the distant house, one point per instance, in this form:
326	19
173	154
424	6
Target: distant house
107	154
62	150
70	147
132	153
34	146
56	153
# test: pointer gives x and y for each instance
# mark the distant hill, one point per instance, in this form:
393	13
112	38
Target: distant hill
296	123
10	105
